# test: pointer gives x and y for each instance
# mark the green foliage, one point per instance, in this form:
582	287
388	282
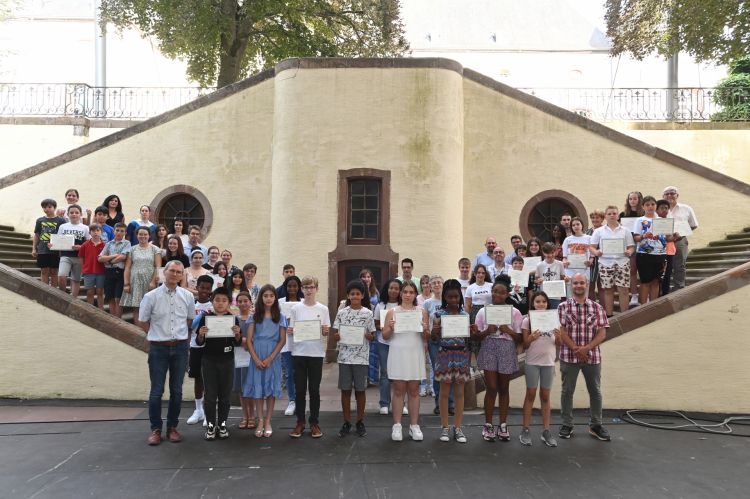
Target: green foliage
709	30
740	66
224	40
733	93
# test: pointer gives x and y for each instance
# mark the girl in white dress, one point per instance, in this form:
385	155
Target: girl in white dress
406	366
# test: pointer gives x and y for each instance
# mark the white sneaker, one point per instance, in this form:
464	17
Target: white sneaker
415	433
384	411
633	300
205	423
405	411
197	417
396	433
290	408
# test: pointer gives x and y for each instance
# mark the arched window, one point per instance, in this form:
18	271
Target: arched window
543	211
186	203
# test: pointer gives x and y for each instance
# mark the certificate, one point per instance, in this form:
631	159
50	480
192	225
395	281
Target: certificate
577	260
62	242
408	321
530	263
543	320
520	277
454	326
241	357
352	335
160	270
286	307
629	223
498	315
306	331
382	317
662	226
612	247
220	326
683	228
554	289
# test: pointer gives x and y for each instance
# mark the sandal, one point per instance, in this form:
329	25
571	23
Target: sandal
268	432
243	424
259	431
252	423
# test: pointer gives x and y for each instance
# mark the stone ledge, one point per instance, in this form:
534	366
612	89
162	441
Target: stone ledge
74	308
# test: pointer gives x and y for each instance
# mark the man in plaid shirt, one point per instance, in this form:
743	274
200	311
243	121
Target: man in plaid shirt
583	326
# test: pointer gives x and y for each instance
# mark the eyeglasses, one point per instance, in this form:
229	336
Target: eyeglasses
309	287
670	193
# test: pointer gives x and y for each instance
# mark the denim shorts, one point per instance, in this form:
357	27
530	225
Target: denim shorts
93	281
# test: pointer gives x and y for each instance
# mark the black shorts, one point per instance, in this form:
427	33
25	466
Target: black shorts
48	260
649	266
194	363
114	281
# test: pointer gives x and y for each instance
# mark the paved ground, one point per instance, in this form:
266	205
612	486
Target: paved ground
66	449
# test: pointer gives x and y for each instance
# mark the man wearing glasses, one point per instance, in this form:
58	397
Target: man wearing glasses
498	266
683	215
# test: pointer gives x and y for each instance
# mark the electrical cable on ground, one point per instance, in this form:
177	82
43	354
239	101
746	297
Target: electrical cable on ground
694	425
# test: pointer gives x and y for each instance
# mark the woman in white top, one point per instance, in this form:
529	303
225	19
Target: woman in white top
178	228
195	270
389	298
479	292
406	365
424	284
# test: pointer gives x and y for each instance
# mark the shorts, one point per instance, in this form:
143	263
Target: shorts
614	276
353	374
536	373
114	280
498	355
70	265
93	281
194	363
649	266
47	260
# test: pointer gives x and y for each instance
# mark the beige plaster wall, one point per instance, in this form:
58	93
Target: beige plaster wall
408	121
514	151
725	151
695	360
223	149
48	355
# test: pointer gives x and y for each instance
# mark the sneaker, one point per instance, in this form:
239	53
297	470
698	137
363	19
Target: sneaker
315	430
223	431
488	432
210	432
345	429
503	433
298	430
397	434
445	434
290	409
633	300
361	430
415	433
196	417
525	436
436	411
565	432
599	432
384	411
423	392
405	411
458	435
548	439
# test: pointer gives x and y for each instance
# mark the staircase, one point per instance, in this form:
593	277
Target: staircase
718	256
15	251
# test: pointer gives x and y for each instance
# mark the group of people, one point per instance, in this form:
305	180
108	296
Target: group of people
180	292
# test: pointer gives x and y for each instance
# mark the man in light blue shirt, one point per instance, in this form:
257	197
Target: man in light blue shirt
486	258
515	242
194	242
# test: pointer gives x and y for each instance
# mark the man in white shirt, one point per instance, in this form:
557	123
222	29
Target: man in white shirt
166	314
486	257
498	266
685	216
614	268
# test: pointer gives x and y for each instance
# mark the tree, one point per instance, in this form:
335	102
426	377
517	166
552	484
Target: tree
709	30
223	40
733	93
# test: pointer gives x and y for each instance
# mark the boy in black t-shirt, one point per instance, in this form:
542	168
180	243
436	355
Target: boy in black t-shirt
46	259
217	365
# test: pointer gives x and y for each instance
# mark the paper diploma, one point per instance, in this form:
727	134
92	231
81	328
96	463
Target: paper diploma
683	228
454	326
241	357
520	277
662	226
160	271
408	321
62	242
220	326
629	223
286	307
554	289
352	335
382	317
530	263
577	260
498	315
612	247
306	331
543	320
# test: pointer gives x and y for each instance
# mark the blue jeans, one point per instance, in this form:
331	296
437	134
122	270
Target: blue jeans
385	383
432	348
163	359
287	364
373	371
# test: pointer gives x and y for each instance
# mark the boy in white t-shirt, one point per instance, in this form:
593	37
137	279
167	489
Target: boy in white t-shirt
70	263
308	358
614	269
464	273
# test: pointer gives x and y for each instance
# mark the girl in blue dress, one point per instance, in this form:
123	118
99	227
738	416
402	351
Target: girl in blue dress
266	335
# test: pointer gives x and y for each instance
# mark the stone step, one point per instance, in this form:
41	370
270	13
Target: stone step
16	245
738	235
18	253
727	263
31	271
719	255
11	235
18	263
9	228
704	272
711	248
730	242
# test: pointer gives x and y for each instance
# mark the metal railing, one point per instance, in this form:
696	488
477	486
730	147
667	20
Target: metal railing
642	104
84	101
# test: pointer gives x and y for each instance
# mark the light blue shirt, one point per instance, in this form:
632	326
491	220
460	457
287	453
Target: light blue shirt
484	259
167	311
